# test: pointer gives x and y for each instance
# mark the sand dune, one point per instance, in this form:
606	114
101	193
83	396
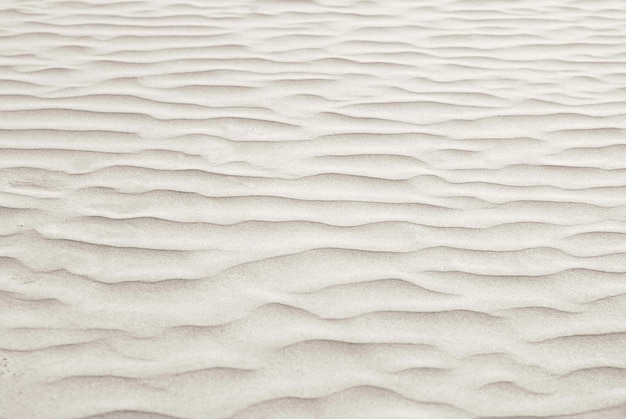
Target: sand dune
312	209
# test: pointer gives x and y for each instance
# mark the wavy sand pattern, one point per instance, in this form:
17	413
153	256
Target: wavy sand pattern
313	209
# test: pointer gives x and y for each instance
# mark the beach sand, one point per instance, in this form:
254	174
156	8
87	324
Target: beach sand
313	209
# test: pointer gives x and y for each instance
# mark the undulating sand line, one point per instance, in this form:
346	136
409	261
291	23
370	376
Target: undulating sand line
313	209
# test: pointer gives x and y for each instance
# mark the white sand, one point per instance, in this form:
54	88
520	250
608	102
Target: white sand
313	209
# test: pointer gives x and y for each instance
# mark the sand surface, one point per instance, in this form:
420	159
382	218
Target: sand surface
313	209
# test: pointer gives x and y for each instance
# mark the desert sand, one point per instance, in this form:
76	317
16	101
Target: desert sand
312	209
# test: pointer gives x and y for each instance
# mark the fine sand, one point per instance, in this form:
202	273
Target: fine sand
312	209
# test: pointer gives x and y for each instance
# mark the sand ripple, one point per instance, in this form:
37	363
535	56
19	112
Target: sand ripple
312	209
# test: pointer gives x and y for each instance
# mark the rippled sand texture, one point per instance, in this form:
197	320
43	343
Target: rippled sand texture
313	209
